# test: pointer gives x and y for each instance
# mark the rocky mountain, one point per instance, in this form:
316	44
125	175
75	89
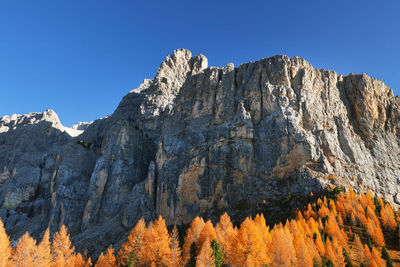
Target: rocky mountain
199	140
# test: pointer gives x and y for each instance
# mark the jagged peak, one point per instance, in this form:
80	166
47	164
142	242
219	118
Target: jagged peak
181	63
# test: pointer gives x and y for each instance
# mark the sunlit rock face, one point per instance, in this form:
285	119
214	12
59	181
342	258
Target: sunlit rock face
198	140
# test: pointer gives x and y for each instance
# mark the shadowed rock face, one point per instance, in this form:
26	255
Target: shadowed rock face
199	140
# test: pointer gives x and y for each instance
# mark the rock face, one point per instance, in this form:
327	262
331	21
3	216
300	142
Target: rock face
199	140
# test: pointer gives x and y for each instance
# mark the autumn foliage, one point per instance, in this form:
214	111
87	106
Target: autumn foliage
324	233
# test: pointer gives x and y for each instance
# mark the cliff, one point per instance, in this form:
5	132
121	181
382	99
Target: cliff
199	140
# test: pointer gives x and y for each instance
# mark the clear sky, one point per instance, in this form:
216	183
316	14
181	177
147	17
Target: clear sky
80	57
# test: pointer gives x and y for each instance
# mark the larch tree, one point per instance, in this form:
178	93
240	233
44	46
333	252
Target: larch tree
319	244
358	246
133	244
388	218
208	232
61	251
338	249
79	261
107	260
176	252
205	257
262	228
303	255
43	255
248	247
225	235
281	249
5	248
192	234
375	232
156	247
377	258
25	252
329	251
100	260
367	257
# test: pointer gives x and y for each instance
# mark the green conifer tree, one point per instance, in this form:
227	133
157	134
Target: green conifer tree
347	259
131	260
386	257
218	259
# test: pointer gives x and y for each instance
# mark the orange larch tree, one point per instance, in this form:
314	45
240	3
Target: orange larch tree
107	260
358	247
156	249
303	255
5	248
330	252
249	248
375	232
133	244
319	244
225	235
208	232
176	252
338	249
366	256
24	253
192	235
61	251
388	218
79	261
281	249
43	255
205	257
377	258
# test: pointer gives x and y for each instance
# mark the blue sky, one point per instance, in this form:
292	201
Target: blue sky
81	57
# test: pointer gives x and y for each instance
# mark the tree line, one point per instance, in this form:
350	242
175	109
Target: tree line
347	229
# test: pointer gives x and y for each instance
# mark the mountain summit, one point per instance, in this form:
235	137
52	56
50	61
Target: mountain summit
199	140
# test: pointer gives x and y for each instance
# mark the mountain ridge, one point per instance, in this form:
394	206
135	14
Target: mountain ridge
199	140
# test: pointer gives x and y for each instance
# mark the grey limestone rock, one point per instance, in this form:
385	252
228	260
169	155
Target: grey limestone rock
198	140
